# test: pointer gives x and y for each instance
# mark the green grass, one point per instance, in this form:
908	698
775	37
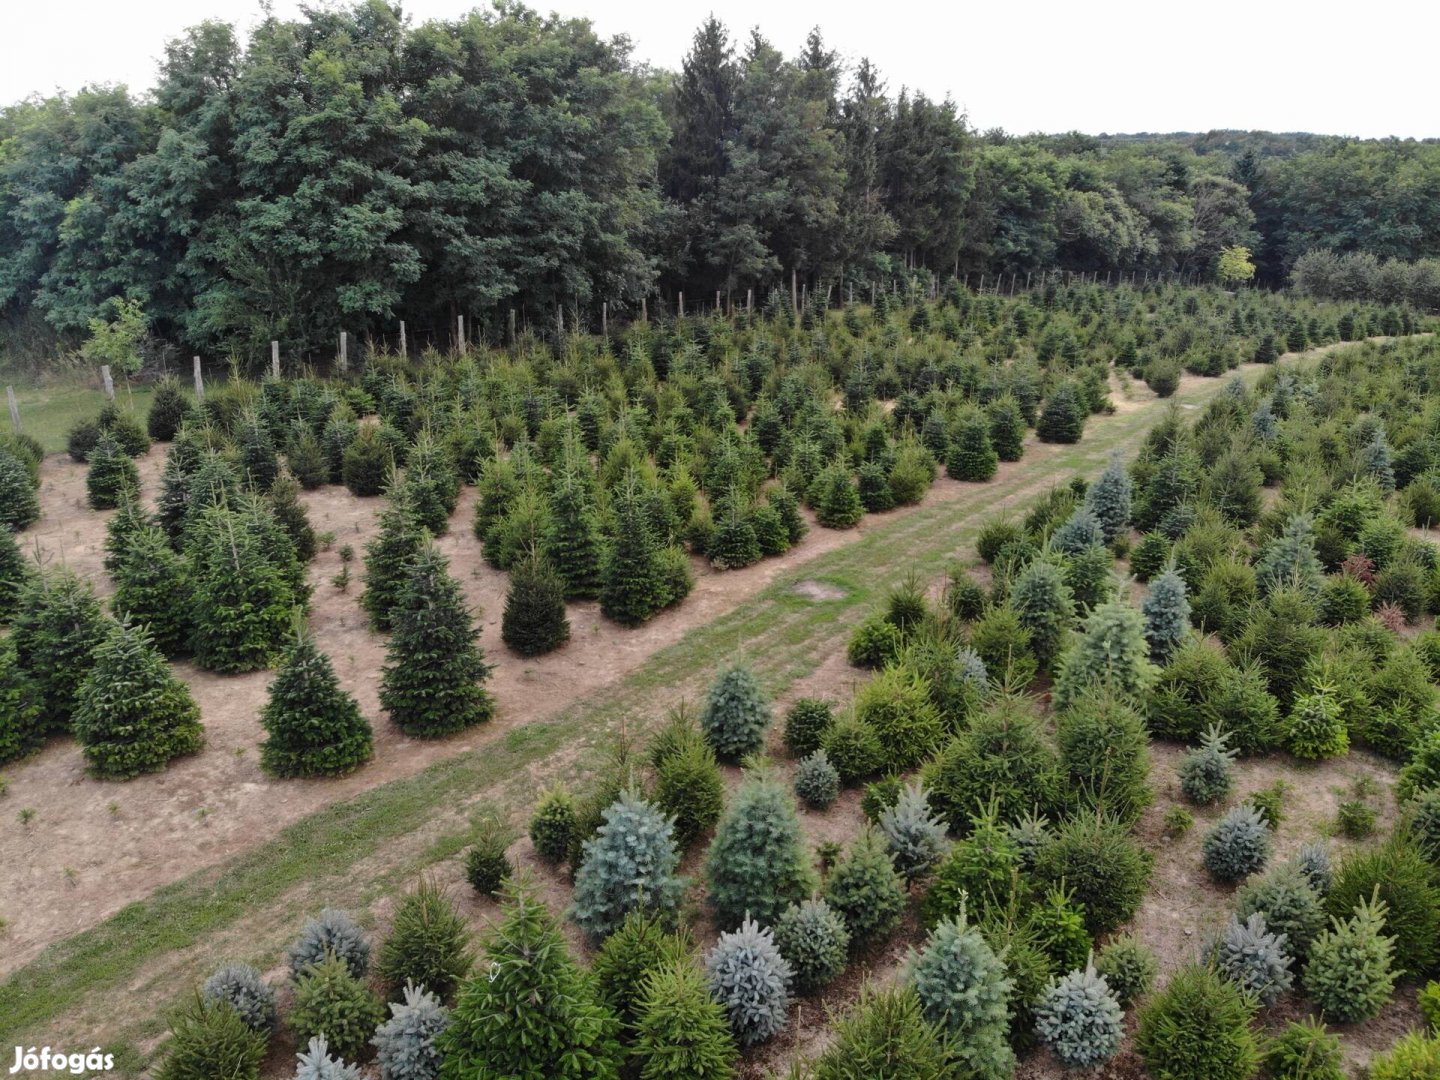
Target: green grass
782	635
48	413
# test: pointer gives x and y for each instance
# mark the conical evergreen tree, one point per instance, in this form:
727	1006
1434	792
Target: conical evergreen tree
757	863
259	460
129	518
259	517
1167	615
535	621
314	728
153	589
633	587
573	541
971	455
243	602
20	726
213	482
1112	652
788	507
168	407
1007	428
531	1011
57	627
14	572
1289	561
681	1032
1063	418
735	544
837	501
388	558
176	482
431	484
1045	607
111	472
19	502
1110	499
431	684
290	513
132	714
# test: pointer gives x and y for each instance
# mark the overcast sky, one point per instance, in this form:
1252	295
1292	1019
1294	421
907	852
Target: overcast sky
1046	65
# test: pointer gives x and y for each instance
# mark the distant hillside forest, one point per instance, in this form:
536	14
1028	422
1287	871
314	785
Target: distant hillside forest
348	169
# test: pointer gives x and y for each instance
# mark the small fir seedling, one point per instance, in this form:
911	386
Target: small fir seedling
816	781
246	991
1304	1050
332	1002
1253	957
1238	845
913	835
751	981
1355	819
1350	974
1080	1020
330	932
407	1046
1177	822
1129	968
813	939
486	863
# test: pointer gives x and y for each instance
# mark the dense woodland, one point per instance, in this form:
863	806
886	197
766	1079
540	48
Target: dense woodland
350	169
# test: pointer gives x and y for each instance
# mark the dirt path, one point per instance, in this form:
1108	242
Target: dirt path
92	847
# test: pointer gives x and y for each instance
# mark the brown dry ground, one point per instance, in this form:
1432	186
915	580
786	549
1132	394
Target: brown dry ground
92	846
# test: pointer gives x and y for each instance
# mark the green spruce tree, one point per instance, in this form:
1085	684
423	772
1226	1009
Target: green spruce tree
56	629
431	683
132	715
312	726
153	589
633	584
535	621
388	558
243	601
970	456
111	472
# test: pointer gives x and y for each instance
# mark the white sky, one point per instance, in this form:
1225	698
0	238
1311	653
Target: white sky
1042	65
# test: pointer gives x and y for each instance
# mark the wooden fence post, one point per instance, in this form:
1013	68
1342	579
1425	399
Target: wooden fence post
511	328
344	351
14	408
404	345
199	383
275	359
644	311
604	318
749	299
794	293
109	382
460	333
682	305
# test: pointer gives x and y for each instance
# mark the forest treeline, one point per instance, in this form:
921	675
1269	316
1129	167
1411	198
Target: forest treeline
346	169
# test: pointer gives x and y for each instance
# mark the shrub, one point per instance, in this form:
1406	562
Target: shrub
552	825
1355	819
895	704
995	535
1080	532
1424	823
1429	1001
1095	856
914	838
487	865
1003	645
314	728
330	932
971	456
736	715
1304	1050
629	864
980	875
531	1010
751	981
690	789
1105	755
886	1034
638	949
431	684
813	939
806	723
21	731
1423	770
534	621
243	989
1238	845
1063	418
837	502
853	748
331	1002
209	1039
111	474
681	1031
1313	860
1079	1019
1207	773
1316	726
1254	958
874	643
963	990
132	714
1398	873
1289	903
757	863
1349	975
1177	822
427	946
1198	1028
816	781
964	596
168	407
1129	968
407	1045
1415	1057
865	890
